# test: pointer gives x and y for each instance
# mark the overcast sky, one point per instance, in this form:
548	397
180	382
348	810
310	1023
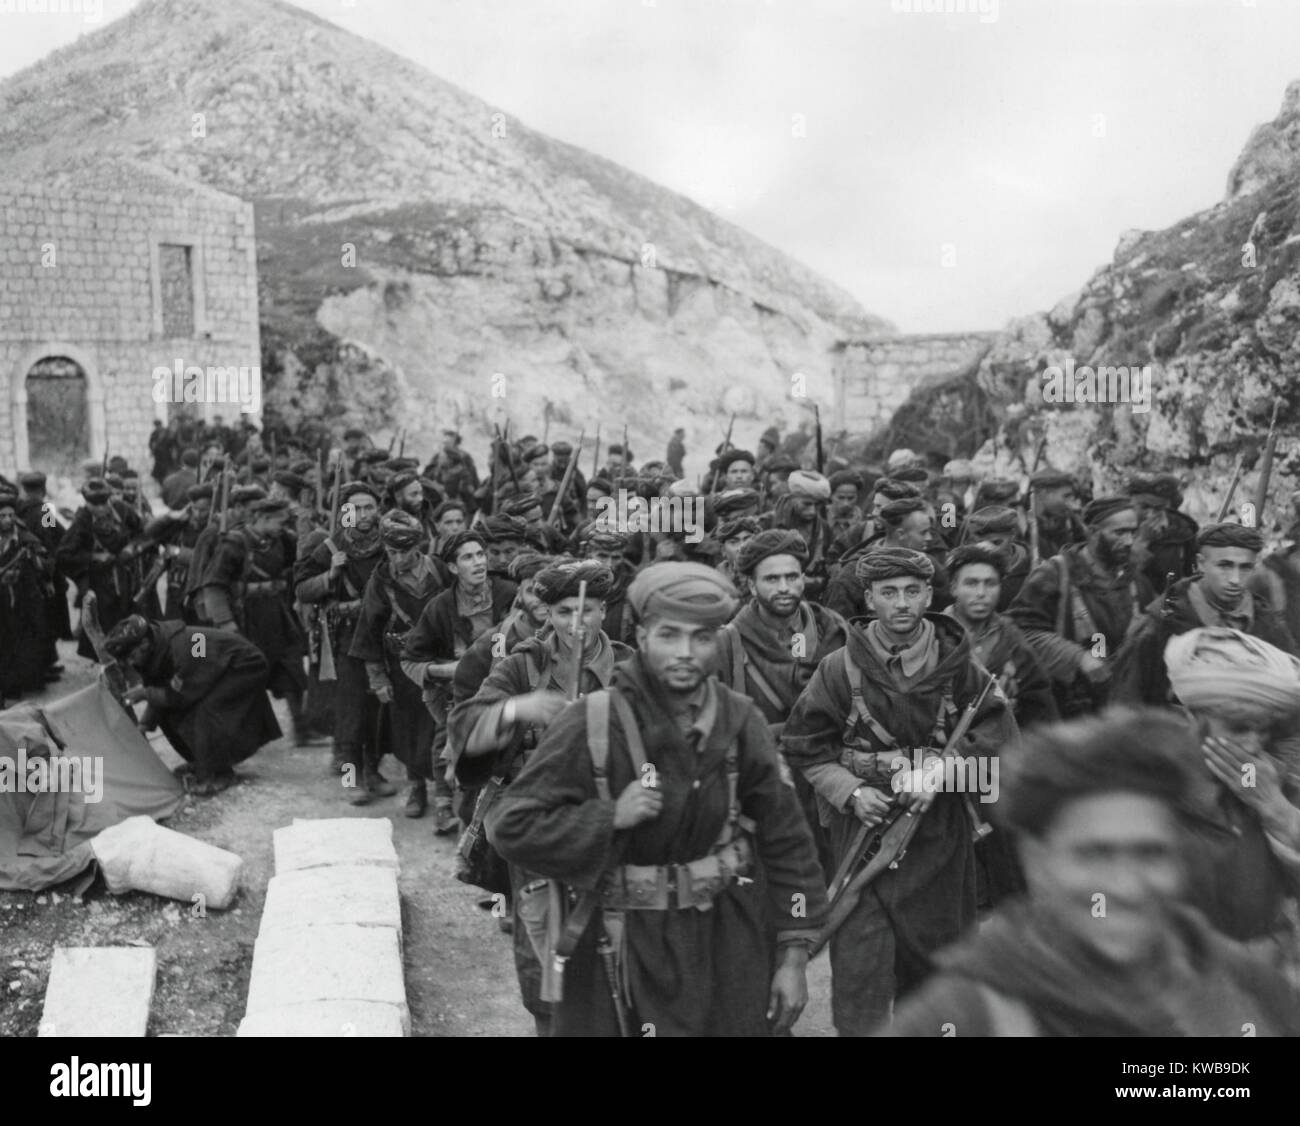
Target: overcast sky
921	131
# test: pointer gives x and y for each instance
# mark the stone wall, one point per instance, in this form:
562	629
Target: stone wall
875	376
79	277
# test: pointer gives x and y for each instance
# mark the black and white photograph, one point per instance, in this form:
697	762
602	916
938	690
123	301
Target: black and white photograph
650	518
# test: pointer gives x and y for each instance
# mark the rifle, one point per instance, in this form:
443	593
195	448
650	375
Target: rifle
1266	467
151	578
1232	489
1033	528
627	459
566	480
595	454
579	641
821	461
391	443
103	468
401	446
224	520
328	669
320	481
890	843
1038	455
726	445
115	677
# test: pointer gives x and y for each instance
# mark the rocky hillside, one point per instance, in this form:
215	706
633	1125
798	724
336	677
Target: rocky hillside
414	240
1213	305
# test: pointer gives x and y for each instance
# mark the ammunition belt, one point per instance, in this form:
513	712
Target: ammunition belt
664	887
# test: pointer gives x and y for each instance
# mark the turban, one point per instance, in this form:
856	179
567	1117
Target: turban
517	506
996	490
526	564
373	457
534	452
772	436
126	635
992	520
32	480
603	484
970	553
895	490
911	475
246	494
603	538
775	541
8	498
357	488
1156	490
682	488
562	580
1051	479
896	511
113	481
561	447
732	456
892	563
805	483
398	464
96	490
846	477
198	492
289	480
268	506
959	469
780	463
1230	535
689	591
1223	670
504	528
260	465
353	432
453	546
900	459
400	530
401	480
302	468
1103	508
730	529
735	500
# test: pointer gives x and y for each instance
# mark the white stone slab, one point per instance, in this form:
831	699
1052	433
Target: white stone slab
327	1018
335	841
99	991
326	963
310	897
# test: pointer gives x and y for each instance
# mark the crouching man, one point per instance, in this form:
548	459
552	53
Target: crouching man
661	803
205	687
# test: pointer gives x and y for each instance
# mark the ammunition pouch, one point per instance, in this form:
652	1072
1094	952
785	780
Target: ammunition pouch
875	768
663	887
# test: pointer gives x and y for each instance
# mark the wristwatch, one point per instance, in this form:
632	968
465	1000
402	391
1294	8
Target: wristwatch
854	796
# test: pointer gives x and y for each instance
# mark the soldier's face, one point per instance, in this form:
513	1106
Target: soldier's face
975	590
740	475
411	497
731	549
538	612
200	510
1055	502
500	552
564	614
1108	868
1224	571
899	603
271	524
915	531
402	558
594	497
452	522
131	490
362	510
6	521
610	557
471	565
803	509
679	654
844	500
1114	537
778	584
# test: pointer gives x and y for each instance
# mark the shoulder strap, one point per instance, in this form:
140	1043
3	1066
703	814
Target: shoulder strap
598	705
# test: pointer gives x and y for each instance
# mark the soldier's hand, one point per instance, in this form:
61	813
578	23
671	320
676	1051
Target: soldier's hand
637	803
338	561
384	693
539	707
909	785
1251	777
870	806
135	694
789	992
1094	668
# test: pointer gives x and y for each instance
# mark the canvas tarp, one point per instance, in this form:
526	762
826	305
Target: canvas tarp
44	836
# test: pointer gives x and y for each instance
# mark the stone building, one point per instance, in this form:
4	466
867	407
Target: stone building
106	275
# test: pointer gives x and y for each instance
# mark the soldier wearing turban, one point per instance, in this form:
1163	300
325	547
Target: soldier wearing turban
1243	695
802	509
1078	607
689	763
1218	595
504	536
1054	499
1002	528
1166	540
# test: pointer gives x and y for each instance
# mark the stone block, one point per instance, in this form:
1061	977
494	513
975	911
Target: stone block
335	841
327	1018
328	963
99	991
311	897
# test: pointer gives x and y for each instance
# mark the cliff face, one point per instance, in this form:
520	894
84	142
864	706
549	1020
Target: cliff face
442	239
1212	307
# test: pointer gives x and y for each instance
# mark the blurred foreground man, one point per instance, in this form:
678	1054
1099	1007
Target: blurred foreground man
1101	946
660	802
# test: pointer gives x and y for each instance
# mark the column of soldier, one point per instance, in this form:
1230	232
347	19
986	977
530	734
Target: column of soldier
687	764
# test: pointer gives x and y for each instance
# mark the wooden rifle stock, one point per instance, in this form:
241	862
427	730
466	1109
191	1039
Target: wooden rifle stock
1266	467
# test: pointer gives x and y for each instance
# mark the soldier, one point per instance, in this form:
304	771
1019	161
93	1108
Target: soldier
771	648
333	574
354	444
1218	596
873	528
1166	539
540	535
446	629
98	553
908	524
1096	808
845	517
411	495
618	462
800	510
1053	497
206	689
695	774
602	544
884	706
504	537
676	452
395	595
42	519
999	526
453	468
247	587
25	572
1078	607
176	536
496	730
737	469
238	500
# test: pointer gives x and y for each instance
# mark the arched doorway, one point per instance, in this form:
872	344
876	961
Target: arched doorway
58	430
